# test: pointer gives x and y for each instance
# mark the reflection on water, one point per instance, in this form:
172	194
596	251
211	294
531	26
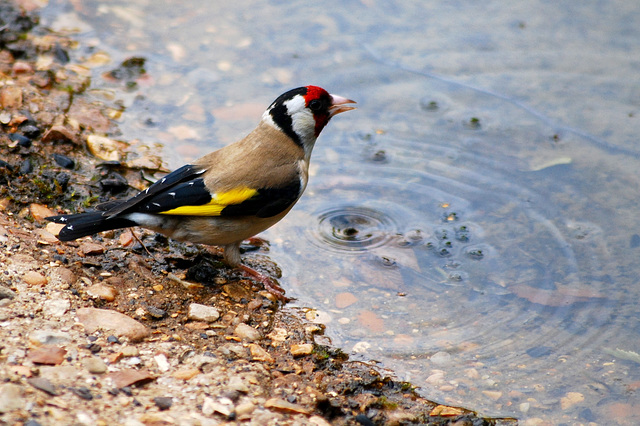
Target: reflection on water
473	225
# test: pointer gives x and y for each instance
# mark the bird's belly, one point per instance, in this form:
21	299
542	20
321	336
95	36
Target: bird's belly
208	230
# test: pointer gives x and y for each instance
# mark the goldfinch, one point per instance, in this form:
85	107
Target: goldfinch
230	194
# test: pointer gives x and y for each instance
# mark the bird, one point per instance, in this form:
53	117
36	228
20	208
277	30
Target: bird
233	193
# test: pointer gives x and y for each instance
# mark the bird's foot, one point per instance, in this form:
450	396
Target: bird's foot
269	283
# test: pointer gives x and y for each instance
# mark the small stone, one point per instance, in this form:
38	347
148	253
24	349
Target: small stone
302	349
10	97
285	406
495	395
571	399
43	384
446	411
64	161
163	402
162	363
186	374
237	383
49	337
128	377
54	228
39	212
129	351
114	322
102	291
56	307
104	148
34	278
94	365
91	249
259	354
46	237
198	312
441	358
59	134
48	355
344	300
6	293
246	332
223	406
244	410
319	421
82	392
11	397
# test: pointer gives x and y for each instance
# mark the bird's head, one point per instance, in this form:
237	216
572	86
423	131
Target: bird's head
302	113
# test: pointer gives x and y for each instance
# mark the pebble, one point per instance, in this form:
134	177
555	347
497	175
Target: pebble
43	384
114	322
89	249
246	332
344	300
237	383
198	312
186	374
163	402
48	337
64	161
104	148
59	134
162	363
129	351
94	365
10	97
34	278
102	291
441	358
446	411
244	410
495	395
11	397
39	212
371	320
571	399
47	354
223	406
56	307
54	228
302	349
285	406
129	376
259	354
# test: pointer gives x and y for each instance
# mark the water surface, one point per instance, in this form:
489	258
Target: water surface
473	226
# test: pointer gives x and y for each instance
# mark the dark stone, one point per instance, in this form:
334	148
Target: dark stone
26	167
539	351
64	161
82	392
29	130
113	339
163	402
23	141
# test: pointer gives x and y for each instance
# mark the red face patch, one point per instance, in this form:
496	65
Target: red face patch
321	113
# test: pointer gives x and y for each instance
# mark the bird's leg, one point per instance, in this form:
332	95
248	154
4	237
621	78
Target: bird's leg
269	283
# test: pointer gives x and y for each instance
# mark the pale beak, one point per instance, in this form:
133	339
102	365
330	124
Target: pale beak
338	105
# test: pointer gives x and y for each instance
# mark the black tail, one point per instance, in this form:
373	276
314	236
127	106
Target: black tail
83	224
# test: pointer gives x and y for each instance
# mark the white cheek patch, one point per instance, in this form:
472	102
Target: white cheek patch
303	122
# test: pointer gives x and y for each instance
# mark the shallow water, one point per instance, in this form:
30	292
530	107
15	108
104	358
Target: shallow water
473	225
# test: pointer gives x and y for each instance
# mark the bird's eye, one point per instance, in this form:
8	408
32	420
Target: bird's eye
315	105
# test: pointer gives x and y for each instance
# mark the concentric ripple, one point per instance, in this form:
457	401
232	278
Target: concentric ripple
354	228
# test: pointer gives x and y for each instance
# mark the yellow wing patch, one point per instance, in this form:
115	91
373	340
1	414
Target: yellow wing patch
218	202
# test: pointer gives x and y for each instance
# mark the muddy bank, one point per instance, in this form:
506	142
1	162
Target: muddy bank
137	329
